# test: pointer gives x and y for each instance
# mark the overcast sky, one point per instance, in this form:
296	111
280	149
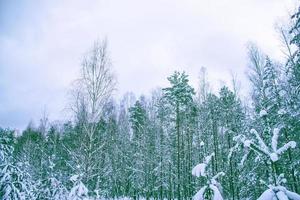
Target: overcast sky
42	44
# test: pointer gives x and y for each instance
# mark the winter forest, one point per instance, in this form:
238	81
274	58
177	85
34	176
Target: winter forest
178	143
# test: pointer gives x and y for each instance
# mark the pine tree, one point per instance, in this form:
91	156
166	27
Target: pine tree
180	97
138	124
231	124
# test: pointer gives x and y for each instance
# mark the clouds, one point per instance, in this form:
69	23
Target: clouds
42	43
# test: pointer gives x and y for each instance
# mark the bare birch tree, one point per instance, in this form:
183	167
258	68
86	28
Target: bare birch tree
92	90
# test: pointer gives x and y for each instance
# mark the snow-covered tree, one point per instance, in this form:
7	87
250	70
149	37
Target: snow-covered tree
231	122
212	188
13	183
52	188
79	191
270	153
138	124
6	145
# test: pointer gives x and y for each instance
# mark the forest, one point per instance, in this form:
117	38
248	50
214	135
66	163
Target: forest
178	143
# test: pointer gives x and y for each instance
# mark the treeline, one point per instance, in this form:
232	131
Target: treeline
146	147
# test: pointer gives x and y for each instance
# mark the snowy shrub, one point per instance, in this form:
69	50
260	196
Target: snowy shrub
79	191
211	181
12	185
51	188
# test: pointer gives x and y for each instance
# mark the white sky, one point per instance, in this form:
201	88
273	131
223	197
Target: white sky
41	45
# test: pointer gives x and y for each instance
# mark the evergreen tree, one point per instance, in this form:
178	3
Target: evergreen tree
180	97
13	183
138	124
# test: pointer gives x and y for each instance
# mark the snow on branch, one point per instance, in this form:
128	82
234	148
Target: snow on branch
200	194
272	152
199	170
262	146
291	144
278	192
211	183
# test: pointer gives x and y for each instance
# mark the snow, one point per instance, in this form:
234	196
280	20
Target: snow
199	170
12	182
217	194
243	159
292	195
291	144
208	158
263	113
273	153
281	179
278	192
275	138
78	191
253	131
267	195
274	157
282	93
74	178
217	176
281	111
281	196
257	159
222	130
212	183
247	143
200	194
263	147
